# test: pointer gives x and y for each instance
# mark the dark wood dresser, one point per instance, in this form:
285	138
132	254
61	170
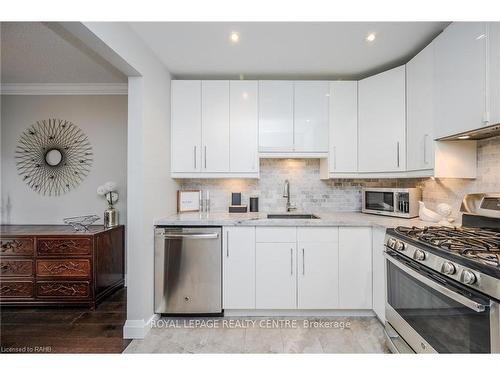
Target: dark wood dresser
52	265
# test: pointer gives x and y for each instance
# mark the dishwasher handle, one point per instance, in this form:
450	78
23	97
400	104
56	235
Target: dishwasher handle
191	236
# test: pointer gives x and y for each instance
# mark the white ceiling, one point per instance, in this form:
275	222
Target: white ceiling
35	52
329	50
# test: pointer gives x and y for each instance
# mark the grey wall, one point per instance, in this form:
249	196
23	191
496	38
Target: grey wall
103	118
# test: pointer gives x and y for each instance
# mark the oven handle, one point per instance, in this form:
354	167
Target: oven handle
477	307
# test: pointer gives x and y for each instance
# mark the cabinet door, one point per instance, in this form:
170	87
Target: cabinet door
460	71
343	126
275	274
239	268
318	275
275	116
494	72
311	99
382	122
355	268
379	273
244	122
420	110
215	126
186	126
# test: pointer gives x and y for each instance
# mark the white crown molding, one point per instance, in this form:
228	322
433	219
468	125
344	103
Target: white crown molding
64	88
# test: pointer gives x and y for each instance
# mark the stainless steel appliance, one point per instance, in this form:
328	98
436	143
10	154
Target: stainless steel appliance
443	285
188	270
391	202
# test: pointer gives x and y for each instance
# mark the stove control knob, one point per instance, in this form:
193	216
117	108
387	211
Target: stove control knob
419	255
391	242
400	246
468	277
448	268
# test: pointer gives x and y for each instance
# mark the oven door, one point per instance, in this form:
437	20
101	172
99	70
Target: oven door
435	314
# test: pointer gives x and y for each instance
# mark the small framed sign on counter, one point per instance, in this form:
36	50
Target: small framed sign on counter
188	200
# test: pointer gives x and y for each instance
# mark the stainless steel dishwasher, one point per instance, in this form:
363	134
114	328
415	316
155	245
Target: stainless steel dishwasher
188	270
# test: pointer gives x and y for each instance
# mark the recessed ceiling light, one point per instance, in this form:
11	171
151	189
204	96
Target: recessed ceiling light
234	37
370	37
464	137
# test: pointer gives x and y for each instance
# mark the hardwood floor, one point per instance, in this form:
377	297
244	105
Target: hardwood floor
65	330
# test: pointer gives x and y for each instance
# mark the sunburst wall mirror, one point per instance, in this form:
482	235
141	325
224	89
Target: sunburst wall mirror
53	156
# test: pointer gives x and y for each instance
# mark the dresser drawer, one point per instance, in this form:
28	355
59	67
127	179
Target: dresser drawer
16	267
63	268
67	289
17	247
16	289
63	246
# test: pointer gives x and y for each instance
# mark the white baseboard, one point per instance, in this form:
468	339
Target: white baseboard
298	313
138	329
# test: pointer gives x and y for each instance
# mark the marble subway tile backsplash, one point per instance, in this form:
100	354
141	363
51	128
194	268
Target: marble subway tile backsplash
308	192
452	190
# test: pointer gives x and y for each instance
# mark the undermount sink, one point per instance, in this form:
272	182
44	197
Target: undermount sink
292	216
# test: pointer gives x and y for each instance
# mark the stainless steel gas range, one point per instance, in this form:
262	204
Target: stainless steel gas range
443	284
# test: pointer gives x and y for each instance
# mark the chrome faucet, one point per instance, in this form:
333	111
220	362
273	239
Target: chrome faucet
286	194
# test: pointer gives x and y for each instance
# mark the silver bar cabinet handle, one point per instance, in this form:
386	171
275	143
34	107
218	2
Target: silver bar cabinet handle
194	157
335	157
227	244
425	148
397	151
303	262
291	261
205	157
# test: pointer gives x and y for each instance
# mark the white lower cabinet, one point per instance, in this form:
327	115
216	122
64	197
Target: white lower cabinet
355	268
238	256
378	261
276	273
305	268
317	275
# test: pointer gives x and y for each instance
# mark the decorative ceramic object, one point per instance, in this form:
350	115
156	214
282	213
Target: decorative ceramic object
53	156
81	223
445	211
108	190
426	214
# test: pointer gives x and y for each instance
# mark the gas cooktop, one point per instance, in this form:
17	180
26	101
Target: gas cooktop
476	244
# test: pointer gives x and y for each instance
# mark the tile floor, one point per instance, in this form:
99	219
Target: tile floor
364	335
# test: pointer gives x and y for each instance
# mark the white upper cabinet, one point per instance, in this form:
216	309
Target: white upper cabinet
186	126
382	122
276	116
244	122
460	78
215	126
343	127
494	72
311	100
420	110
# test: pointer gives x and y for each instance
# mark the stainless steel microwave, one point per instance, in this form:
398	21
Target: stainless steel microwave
391	201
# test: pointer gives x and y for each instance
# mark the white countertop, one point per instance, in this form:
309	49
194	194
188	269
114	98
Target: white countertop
260	218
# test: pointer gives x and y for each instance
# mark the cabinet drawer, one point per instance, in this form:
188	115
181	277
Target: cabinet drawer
63	268
16	289
57	289
16	268
63	246
324	234
276	234
16	246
